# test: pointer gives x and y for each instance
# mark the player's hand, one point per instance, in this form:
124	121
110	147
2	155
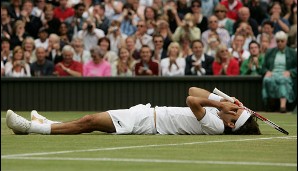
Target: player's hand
229	108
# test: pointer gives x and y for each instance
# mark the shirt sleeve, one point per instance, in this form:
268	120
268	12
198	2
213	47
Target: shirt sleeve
211	124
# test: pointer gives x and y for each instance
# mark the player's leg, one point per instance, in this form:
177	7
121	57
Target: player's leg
86	124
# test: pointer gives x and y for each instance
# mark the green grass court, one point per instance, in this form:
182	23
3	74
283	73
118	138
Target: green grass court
272	151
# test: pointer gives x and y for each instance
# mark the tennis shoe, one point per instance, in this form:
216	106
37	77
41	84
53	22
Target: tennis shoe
17	123
35	117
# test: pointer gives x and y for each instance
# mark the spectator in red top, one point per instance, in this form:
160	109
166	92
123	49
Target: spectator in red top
224	63
68	67
232	6
146	66
62	11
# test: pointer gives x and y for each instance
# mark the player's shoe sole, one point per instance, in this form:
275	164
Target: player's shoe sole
17	123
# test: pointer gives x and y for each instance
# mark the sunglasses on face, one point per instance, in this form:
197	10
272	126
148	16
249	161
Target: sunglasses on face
139	25
280	41
217	11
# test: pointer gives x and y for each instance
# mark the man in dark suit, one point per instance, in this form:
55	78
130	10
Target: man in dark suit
198	63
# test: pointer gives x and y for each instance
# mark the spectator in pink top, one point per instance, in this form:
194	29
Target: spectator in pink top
62	11
98	66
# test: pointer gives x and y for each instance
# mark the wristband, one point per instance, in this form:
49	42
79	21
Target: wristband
214	97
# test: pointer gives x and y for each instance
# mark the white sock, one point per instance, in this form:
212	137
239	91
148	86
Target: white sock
40	128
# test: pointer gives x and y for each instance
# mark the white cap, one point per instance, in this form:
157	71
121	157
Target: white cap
241	120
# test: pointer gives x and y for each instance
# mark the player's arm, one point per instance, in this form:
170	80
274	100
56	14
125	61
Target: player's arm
197	105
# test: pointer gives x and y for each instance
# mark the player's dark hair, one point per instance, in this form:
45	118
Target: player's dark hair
250	127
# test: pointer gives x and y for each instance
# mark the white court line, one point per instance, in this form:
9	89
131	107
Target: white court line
138	160
140	146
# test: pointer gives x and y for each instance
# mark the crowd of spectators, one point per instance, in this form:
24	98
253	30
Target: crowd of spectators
142	37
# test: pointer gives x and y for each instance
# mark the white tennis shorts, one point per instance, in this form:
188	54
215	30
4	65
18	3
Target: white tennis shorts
138	119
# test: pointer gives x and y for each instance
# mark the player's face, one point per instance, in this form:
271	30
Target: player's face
229	119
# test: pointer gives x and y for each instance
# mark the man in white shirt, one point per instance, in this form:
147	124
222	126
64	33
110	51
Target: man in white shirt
220	117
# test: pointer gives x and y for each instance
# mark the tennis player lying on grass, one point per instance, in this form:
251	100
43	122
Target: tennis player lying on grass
207	114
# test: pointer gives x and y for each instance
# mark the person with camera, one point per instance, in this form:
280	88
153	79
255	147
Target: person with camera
146	66
174	18
128	20
187	29
90	34
117	39
17	67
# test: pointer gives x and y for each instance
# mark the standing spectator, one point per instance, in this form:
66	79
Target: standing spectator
130	43
116	38
6	24
42	66
280	70
62	12
33	23
68	67
80	54
224	63
174	18
256	11
159	52
17	67
200	20
6	53
75	22
142	38
244	16
146	66
28	46
49	22
232	6
253	65
237	50
214	27
19	34
105	44
198	63
173	64
43	38
208	7
54	51
98	66
163	29
101	21
280	24
14	10
188	28
223	21
268	28
90	34
124	65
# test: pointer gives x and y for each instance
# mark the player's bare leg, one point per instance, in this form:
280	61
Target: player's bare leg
86	124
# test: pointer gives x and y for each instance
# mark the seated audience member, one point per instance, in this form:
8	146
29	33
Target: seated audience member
6	23
141	36
117	39
19	34
150	17
54	51
101	21
214	27
256	10
224	63
50	22
130	43
105	45
264	43
185	46
124	65
223	21
17	67
245	30
43	39
253	65
42	66
268	28
6	53
200	19
280	71
90	34
244	17
174	18
159	52
208	7
233	7
68	67
128	20
163	29
75	22
237	50
198	63
64	35
173	64
213	43
280	23
187	28
81	55
28	46
146	66
62	11
98	66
